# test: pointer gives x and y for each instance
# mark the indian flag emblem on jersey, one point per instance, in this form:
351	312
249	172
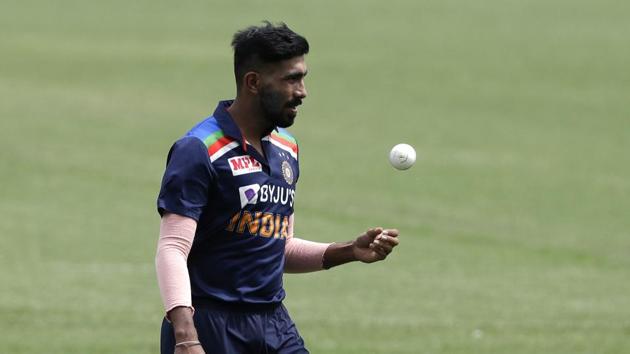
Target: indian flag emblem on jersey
287	172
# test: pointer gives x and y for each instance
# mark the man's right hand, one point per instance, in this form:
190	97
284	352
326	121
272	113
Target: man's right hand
197	349
184	329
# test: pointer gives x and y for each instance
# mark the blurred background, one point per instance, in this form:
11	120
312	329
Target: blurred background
514	221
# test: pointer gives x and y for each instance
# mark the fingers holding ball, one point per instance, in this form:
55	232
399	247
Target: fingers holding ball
384	243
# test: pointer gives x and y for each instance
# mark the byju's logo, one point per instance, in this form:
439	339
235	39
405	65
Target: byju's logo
249	194
241	165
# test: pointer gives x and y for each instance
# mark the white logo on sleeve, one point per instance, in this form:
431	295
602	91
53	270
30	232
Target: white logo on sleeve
241	165
249	194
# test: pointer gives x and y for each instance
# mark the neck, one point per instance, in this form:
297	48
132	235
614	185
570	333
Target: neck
249	119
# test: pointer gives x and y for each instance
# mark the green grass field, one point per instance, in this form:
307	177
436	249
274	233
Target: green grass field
515	221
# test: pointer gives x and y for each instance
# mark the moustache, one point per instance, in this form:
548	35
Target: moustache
294	103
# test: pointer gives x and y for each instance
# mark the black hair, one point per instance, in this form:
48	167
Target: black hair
268	43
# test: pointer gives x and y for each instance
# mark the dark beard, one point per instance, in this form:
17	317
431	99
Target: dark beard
273	108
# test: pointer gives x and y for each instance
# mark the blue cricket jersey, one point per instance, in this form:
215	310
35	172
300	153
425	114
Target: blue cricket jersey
241	201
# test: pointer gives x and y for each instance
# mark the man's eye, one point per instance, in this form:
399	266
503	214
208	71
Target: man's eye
294	78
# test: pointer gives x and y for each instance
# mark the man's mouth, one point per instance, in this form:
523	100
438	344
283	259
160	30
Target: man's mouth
292	106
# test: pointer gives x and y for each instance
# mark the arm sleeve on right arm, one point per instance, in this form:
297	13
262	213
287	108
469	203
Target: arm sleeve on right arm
176	238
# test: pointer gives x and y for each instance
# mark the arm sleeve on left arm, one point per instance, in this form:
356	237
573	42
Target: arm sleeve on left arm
302	256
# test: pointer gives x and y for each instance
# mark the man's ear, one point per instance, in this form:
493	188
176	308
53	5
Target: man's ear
251	81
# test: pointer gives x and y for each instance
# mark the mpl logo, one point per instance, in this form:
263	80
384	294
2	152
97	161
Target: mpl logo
241	165
249	194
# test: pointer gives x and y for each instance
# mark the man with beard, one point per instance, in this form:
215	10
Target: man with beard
226	206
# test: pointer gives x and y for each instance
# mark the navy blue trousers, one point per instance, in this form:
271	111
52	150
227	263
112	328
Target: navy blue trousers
235	329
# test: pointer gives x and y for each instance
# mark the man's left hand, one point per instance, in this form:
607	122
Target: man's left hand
375	244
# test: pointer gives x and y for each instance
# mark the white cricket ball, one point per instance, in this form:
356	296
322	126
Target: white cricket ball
402	156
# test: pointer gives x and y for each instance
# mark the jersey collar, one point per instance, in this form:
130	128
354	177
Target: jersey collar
229	128
226	123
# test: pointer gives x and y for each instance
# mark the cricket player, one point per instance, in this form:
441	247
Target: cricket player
226	205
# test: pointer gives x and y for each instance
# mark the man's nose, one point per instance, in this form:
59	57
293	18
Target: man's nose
301	91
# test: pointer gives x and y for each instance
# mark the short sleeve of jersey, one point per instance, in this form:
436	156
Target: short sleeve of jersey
187	180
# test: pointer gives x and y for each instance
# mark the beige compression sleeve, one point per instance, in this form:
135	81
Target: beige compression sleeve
302	256
176	238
